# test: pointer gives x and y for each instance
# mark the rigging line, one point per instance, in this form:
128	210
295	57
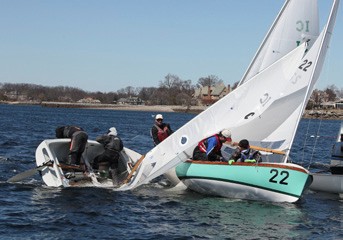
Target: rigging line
305	141
316	140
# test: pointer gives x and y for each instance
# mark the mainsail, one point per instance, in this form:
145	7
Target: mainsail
296	23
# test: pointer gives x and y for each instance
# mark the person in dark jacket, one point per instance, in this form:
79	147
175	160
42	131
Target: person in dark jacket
160	130
209	149
244	153
110	158
78	142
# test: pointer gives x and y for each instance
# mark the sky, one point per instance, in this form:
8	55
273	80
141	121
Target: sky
108	45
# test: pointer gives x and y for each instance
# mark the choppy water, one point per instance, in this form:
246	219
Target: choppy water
30	210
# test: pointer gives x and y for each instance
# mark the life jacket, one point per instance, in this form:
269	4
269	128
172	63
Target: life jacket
115	144
203	144
250	154
162	133
70	130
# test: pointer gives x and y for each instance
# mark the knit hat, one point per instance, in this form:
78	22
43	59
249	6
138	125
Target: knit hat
112	131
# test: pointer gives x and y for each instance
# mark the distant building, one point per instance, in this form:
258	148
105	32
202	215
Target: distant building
130	101
210	94
89	100
339	104
16	96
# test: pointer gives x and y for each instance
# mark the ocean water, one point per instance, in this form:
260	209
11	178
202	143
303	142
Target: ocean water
31	210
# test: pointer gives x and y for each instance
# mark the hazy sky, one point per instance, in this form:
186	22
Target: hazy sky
106	45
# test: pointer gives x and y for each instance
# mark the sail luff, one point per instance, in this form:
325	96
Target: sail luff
319	61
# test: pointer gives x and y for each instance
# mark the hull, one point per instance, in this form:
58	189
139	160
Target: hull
56	152
327	182
274	182
331	182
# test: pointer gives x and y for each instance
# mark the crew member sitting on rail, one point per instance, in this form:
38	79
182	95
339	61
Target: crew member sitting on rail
209	149
244	153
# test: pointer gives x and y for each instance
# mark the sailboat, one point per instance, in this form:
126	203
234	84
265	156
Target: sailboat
332	181
51	157
266	109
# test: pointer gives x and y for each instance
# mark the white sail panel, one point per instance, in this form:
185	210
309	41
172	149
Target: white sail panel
306	75
297	22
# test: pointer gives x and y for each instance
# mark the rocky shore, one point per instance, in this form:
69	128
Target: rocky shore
333	114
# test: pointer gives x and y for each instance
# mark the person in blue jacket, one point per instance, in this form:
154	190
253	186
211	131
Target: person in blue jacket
244	153
209	149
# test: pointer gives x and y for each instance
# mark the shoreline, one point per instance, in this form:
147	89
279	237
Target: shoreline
327	114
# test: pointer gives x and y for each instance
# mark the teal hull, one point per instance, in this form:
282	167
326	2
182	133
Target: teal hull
275	182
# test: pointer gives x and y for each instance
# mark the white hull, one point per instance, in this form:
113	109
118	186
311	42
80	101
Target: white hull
234	190
331	182
327	182
56	151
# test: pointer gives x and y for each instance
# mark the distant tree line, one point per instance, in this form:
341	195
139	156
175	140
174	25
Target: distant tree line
172	90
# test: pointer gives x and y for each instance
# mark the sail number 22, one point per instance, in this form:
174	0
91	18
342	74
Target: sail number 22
283	174
305	65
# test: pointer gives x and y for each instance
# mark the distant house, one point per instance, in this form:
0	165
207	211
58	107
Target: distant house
327	105
15	95
210	94
89	100
130	101
339	104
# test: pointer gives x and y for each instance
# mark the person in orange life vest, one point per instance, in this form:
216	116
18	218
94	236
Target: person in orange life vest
78	142
244	153
160	130
209	149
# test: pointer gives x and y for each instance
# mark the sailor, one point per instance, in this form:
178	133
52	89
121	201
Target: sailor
160	130
244	153
108	161
209	149
78	142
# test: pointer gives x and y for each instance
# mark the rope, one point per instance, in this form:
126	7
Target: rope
315	142
304	146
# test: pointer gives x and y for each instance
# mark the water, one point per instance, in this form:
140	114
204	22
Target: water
30	210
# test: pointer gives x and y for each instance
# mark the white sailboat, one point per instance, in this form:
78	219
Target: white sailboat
51	157
266	109
332	181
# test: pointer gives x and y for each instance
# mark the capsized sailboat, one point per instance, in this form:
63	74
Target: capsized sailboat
332	181
51	155
266	109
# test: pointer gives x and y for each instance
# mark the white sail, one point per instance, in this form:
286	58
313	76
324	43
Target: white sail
307	75
266	109
233	111
296	23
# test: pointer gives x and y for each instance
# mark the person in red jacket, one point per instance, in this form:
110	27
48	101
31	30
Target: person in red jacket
160	130
209	149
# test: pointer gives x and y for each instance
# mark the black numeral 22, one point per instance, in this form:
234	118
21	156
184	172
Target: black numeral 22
276	173
305	65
